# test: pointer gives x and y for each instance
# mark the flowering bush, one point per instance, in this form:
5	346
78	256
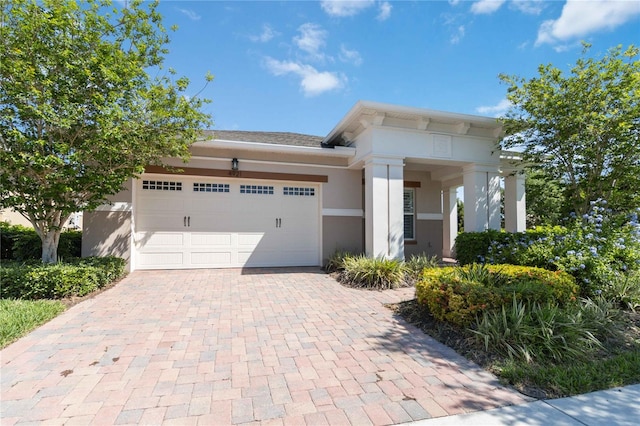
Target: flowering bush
598	249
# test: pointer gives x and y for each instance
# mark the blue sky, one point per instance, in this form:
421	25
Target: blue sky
299	66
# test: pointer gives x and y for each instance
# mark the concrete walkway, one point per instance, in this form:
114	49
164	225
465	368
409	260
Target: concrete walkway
283	346
612	407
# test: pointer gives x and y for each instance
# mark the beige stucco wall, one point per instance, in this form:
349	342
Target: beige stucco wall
341	233
343	190
106	233
428	239
14	218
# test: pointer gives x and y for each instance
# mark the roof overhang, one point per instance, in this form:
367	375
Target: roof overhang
338	151
365	114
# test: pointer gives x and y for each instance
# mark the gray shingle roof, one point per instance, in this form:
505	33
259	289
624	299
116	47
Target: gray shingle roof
278	138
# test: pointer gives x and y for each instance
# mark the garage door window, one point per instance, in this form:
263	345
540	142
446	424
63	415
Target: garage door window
158	185
304	192
210	187
256	189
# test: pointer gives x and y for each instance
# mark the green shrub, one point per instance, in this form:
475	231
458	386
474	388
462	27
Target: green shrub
335	263
595	249
372	273
37	281
624	290
416	264
22	243
458	294
540	333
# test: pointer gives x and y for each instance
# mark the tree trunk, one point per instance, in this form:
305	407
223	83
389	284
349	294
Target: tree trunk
50	246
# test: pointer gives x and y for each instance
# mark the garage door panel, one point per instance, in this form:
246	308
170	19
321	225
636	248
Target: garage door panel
217	239
161	239
162	260
230	223
208	258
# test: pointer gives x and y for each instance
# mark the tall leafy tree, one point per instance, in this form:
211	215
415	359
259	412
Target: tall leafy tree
546	199
582	128
85	104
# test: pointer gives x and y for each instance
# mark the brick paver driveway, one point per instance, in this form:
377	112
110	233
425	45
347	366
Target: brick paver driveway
282	346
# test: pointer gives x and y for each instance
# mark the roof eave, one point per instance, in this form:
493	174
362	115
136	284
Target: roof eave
344	152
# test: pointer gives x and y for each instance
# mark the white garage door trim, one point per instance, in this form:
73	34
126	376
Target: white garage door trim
225	223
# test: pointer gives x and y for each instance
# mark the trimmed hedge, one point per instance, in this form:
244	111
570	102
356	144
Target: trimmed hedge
20	243
475	247
457	295
78	277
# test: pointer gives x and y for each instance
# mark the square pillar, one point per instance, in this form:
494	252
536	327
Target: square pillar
481	198
384	207
449	220
515	206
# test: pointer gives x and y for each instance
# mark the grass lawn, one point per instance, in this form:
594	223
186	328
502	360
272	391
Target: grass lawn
616	364
19	317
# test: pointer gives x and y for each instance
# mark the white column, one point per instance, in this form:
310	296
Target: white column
449	220
384	209
515	205
493	195
481	198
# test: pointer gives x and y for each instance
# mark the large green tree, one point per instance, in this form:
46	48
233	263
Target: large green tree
85	104
583	128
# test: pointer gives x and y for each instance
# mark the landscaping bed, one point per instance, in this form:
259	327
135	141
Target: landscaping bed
616	364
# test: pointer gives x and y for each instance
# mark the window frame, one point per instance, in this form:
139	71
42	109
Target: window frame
411	213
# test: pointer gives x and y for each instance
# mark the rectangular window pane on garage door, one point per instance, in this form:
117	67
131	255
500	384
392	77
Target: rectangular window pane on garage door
256	189
158	185
299	191
210	187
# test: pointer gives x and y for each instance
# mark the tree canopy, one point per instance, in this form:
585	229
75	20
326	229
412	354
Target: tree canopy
582	129
85	104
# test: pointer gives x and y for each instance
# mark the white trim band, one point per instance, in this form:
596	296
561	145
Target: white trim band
429	216
115	207
343	212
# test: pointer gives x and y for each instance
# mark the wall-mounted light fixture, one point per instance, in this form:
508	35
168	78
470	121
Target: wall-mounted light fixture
234	167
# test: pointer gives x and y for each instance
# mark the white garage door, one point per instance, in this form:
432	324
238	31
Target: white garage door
191	222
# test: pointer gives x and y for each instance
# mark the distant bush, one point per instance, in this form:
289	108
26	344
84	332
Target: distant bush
42	281
457	295
22	243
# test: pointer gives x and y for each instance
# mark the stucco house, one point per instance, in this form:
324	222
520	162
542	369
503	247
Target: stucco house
383	182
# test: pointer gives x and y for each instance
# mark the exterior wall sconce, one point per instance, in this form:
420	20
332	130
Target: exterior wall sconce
234	167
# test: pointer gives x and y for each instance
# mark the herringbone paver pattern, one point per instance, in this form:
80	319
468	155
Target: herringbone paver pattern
282	346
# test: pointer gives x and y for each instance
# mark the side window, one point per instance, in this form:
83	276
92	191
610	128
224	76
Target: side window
409	214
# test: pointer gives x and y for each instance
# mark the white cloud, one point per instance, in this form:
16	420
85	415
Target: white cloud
190	14
457	35
350	56
312	81
496	110
342	8
266	35
311	40
454	2
580	18
485	7
530	7
385	11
